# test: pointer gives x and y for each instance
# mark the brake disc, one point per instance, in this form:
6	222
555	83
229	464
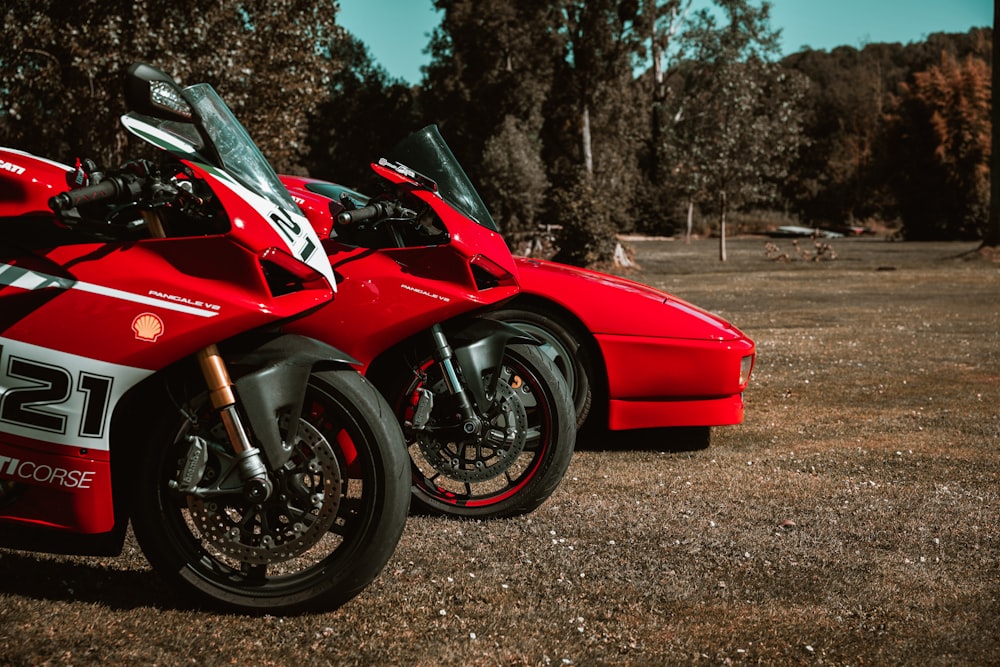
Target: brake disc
299	512
485	455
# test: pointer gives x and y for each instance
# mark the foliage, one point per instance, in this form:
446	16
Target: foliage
871	145
481	52
269	61
655	106
836	177
599	123
739	123
515	179
943	131
362	114
584	211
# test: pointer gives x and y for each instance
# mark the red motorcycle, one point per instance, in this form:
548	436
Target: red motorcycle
144	376
487	416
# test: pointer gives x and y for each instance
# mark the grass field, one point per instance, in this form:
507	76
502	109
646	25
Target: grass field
851	520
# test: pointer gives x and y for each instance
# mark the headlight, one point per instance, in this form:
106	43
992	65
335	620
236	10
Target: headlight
746	365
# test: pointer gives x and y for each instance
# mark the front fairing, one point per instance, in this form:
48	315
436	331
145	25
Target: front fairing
218	145
83	320
476	242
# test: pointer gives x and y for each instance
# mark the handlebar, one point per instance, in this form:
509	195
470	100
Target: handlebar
121	188
379	209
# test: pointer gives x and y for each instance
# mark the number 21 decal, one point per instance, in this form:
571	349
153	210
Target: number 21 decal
41	405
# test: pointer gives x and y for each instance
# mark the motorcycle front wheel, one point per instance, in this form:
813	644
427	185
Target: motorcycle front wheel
517	459
331	523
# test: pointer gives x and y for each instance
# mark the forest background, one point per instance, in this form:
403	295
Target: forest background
593	118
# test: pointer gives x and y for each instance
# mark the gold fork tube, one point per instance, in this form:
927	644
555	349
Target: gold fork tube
220	392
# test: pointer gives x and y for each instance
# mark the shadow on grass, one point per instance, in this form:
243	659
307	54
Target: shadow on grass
677	439
64	579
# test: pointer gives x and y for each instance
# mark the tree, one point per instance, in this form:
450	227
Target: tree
855	161
60	72
515	180
363	113
660	21
942	131
490	75
596	127
992	237
838	176
740	122
484	51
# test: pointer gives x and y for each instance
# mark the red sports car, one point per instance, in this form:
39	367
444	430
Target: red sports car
633	356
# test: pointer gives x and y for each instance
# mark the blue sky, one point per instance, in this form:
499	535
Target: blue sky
397	31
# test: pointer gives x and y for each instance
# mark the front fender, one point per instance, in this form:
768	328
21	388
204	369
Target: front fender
271	379
479	344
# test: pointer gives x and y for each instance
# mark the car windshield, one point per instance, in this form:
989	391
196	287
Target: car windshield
426	153
235	151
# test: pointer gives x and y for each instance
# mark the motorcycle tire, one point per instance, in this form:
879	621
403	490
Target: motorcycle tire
333	520
531	436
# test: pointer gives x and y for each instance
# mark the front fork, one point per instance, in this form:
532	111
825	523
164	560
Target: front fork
249	462
444	356
477	347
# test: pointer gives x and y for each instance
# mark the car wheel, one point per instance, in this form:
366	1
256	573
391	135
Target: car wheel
563	343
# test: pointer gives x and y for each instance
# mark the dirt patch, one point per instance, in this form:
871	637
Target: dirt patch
852	519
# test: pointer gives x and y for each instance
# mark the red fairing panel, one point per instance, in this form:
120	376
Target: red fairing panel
27	182
69	490
56	413
82	323
396	289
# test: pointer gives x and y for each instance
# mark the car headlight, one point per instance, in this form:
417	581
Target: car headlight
746	365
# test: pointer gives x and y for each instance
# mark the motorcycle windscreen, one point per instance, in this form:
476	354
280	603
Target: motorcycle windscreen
224	143
427	153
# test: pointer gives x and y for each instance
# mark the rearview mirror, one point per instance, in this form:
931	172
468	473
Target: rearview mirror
151	91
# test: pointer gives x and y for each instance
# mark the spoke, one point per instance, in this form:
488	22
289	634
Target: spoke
254	572
533	439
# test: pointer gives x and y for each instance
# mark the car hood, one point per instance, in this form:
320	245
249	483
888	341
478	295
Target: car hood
612	305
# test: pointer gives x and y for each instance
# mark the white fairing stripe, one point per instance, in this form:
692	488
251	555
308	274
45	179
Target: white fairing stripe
15	276
167	140
59	397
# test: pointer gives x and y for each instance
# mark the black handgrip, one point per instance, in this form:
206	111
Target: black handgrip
123	188
379	209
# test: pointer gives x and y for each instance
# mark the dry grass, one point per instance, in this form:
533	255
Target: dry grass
852	519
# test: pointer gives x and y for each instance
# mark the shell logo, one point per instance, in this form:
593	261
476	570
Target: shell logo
147	327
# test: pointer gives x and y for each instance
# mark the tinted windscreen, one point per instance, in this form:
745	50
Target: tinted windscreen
426	152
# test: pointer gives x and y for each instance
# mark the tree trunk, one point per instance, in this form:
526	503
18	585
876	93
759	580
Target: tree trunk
659	95
690	221
588	155
722	228
993	226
